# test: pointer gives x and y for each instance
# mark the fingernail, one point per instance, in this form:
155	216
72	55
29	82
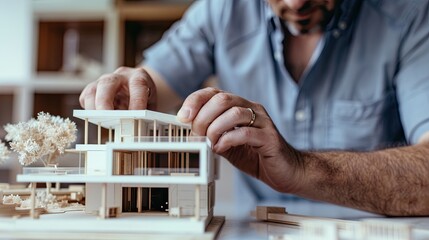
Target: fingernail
184	114
216	148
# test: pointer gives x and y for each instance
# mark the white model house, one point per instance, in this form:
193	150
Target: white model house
150	173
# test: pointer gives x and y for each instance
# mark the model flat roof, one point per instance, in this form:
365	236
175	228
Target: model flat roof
111	118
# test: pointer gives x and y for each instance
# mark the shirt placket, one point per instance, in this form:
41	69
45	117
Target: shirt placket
296	113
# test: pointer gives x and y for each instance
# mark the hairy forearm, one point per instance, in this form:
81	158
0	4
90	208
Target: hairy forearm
391	182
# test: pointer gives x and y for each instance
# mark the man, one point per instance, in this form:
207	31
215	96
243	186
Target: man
299	76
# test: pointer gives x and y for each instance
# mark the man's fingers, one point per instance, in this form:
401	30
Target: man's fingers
126	88
89	103
214	108
141	87
193	103
87	97
240	136
107	88
233	117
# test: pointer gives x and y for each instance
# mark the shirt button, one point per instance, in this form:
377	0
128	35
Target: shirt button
336	33
342	25
300	115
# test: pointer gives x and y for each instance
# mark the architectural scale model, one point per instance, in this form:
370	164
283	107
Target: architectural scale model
150	177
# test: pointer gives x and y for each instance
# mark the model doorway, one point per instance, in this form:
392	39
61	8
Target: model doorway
144	200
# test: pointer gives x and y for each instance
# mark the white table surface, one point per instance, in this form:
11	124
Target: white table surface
249	228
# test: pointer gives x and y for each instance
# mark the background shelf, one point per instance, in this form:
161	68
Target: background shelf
62	45
6	107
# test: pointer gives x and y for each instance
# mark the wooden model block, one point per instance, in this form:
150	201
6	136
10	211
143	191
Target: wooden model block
279	215
262	212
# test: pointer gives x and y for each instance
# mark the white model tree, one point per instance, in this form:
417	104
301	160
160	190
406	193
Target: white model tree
4	152
44	138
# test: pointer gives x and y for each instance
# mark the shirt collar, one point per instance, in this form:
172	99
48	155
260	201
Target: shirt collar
271	18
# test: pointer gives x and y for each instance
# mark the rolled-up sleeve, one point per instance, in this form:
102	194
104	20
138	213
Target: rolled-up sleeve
412	80
184	56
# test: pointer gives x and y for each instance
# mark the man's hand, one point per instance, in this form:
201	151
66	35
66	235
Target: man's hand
392	181
255	147
126	88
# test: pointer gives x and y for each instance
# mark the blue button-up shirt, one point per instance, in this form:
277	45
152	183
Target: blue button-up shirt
366	87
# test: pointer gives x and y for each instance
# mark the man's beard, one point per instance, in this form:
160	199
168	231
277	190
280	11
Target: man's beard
320	26
296	32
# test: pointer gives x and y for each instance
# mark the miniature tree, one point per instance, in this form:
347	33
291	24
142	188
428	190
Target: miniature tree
4	152
44	138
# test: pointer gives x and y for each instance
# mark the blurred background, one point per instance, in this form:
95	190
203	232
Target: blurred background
51	49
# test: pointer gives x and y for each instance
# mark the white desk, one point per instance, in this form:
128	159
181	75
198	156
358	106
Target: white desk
249	228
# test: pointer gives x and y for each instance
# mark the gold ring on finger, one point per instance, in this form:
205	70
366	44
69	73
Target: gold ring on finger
253	117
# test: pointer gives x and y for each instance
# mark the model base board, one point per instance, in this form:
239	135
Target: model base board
78	225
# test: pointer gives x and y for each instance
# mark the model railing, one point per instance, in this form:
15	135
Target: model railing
162	139
166	172
53	170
